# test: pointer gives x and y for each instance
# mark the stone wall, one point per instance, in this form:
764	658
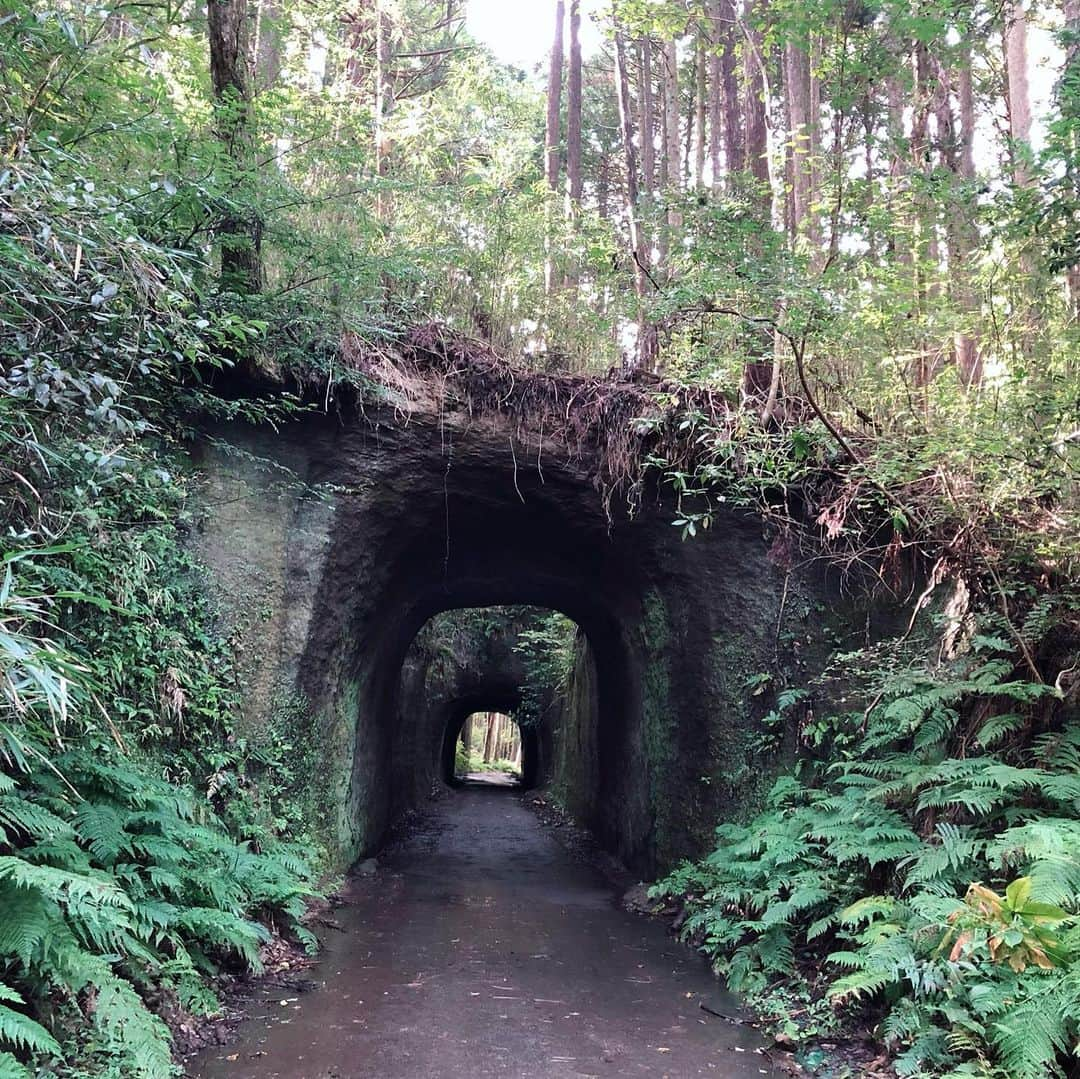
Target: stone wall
330	543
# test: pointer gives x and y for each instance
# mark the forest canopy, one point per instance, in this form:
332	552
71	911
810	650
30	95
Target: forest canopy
856	222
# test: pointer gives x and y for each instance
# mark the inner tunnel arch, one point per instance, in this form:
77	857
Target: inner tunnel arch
456	717
486	672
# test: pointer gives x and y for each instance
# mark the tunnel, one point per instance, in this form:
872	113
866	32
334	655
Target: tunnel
530	771
434	511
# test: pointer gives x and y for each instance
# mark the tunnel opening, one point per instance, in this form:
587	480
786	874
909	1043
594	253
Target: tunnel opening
486	689
489	750
656	735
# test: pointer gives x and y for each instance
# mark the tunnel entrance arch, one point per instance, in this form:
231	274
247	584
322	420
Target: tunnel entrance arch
466	661
439	509
657	741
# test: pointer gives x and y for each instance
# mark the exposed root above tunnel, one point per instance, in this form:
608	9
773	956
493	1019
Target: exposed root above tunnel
622	423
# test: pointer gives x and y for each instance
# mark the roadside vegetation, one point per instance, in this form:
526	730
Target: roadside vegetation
489	742
853	227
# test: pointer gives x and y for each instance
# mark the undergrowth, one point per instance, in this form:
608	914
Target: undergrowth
140	840
919	868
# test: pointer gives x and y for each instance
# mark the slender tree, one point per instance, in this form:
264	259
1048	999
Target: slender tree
240	233
669	79
647	118
552	142
734	137
755	105
701	105
1018	90
626	127
552	147
490	739
1066	91
800	120
384	105
715	106
573	109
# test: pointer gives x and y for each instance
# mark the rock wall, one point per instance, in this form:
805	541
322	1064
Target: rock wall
332	542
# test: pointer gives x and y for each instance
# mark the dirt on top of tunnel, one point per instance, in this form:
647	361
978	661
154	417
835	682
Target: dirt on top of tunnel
621	421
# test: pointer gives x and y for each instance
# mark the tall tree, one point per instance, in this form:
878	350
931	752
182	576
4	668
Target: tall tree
1067	90
552	141
701	106
384	105
797	95
646	137
240	228
714	77
728	37
647	118
491	737
956	148
573	109
1018	90
672	158
755	105
644	348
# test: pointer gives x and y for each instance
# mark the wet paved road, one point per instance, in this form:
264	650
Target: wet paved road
483	948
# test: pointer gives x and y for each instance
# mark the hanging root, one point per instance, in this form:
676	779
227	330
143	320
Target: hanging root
621	424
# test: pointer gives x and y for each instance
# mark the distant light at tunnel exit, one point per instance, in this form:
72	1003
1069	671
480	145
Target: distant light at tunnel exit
520	32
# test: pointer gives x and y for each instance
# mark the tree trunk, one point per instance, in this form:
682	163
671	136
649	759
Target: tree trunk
489	740
384	105
1018	100
754	107
700	110
1018	93
925	223
466	735
551	138
626	128
268	42
647	119
957	148
716	90
734	142
646	101
603	189
554	100
672	149
573	110
240	232
797	96
1071	73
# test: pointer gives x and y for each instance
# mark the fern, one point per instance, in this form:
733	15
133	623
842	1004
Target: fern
10	1068
20	1031
872	854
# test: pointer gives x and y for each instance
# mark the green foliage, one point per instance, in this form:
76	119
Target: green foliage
547	649
113	880
926	866
128	874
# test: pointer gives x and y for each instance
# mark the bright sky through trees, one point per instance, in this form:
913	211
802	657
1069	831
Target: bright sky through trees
520	32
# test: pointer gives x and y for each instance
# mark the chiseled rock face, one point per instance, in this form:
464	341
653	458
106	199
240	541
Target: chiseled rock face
331	542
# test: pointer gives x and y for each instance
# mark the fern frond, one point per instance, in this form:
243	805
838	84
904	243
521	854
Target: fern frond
26	922
10	1068
21	1032
21	816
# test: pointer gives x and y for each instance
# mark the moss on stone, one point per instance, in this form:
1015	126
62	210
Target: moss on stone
659	726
